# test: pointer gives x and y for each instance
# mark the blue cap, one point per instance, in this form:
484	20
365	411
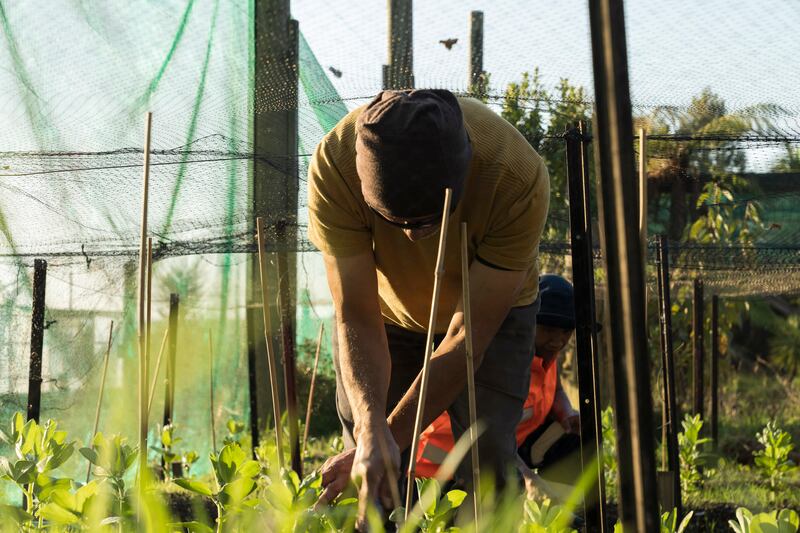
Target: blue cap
557	302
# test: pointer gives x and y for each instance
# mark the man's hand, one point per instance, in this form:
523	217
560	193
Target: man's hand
335	476
376	465
366	464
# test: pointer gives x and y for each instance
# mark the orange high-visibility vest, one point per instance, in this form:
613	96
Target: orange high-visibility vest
437	439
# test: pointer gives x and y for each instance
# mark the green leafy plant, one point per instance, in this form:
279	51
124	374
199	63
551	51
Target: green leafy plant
610	471
692	454
437	508
39	451
236	479
546	517
111	459
669	522
171	454
235	430
773	461
783	521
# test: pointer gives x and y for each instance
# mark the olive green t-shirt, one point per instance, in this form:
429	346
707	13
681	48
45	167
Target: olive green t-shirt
504	203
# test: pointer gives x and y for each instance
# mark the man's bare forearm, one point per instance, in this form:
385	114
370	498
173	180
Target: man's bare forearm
448	376
365	366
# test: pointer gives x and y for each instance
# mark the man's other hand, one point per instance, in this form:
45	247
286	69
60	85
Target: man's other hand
335	475
376	451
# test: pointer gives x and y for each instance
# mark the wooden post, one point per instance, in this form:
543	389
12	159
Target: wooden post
142	333
698	348
585	327
172	349
311	390
627	338
477	81
287	321
37	339
399	73
715	370
273	371
671	415
423	388
275	182
100	394
473	410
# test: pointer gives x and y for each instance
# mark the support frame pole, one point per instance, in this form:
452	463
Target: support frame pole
627	338
698	348
585	329
37	339
715	370
672	416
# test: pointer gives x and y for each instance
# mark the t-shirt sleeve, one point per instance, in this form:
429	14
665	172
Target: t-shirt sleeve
517	220
336	221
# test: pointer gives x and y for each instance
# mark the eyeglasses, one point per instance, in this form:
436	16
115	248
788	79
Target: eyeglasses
422	222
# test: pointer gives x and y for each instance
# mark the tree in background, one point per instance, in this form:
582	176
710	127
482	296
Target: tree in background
542	118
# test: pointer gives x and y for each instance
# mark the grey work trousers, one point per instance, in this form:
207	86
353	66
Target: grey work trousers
501	386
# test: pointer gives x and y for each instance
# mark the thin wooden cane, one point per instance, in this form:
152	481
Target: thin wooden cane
211	391
473	412
149	319
311	390
100	394
142	304
423	389
273	372
155	373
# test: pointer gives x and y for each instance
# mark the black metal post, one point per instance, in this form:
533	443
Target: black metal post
627	338
698	348
288	359
172	350
585	330
715	370
37	339
668	363
169	383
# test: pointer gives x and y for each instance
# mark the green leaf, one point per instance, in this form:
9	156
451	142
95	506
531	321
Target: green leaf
229	459
89	454
456	498
56	514
252	468
236	491
195	486
14	514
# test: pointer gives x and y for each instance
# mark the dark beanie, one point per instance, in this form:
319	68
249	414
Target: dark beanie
410	147
557	304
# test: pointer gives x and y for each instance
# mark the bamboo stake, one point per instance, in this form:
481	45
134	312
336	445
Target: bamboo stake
149	319
311	390
155	374
211	391
142	307
423	390
473	413
273	372
100	394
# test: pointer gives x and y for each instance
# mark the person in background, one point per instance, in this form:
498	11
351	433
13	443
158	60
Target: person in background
546	404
